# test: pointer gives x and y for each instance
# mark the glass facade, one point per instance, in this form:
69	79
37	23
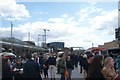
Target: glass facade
56	45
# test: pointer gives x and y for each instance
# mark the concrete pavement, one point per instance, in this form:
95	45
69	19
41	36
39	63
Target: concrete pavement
75	74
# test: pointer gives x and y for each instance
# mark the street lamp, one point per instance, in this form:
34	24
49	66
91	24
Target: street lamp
29	40
44	37
38	43
11	35
92	46
38	40
45	30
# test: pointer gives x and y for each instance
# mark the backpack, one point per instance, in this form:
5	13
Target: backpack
61	63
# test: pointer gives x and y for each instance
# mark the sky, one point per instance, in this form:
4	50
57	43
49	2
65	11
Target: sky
78	24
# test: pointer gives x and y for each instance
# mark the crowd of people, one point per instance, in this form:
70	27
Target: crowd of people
33	66
100	67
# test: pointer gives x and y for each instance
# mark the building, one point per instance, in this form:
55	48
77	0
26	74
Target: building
117	30
20	47
117	33
107	45
55	46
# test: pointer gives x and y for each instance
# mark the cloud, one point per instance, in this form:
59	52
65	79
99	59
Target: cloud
11	10
67	0
64	15
85	12
57	20
40	13
81	29
108	21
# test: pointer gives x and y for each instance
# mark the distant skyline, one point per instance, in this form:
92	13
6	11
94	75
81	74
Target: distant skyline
75	23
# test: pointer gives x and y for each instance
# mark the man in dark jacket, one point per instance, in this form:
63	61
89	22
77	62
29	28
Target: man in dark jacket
80	63
18	70
41	62
76	60
6	71
31	69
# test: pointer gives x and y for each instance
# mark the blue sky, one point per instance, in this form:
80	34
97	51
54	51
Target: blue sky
75	23
46	10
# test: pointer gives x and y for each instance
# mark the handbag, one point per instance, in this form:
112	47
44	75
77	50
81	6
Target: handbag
66	73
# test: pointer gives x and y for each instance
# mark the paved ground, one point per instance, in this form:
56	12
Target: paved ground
75	74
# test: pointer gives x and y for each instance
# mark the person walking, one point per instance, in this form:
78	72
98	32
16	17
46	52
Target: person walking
6	70
61	66
31	69
41	62
52	66
76	60
80	62
45	68
86	63
69	66
95	67
57	59
18	70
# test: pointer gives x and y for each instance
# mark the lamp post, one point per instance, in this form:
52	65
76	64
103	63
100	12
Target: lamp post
44	43
42	38
38	43
45	30
29	40
11	35
92	46
38	40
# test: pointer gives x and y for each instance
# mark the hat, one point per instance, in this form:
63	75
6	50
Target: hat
85	56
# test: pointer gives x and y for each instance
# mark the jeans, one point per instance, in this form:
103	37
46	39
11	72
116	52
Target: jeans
52	71
62	76
69	74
